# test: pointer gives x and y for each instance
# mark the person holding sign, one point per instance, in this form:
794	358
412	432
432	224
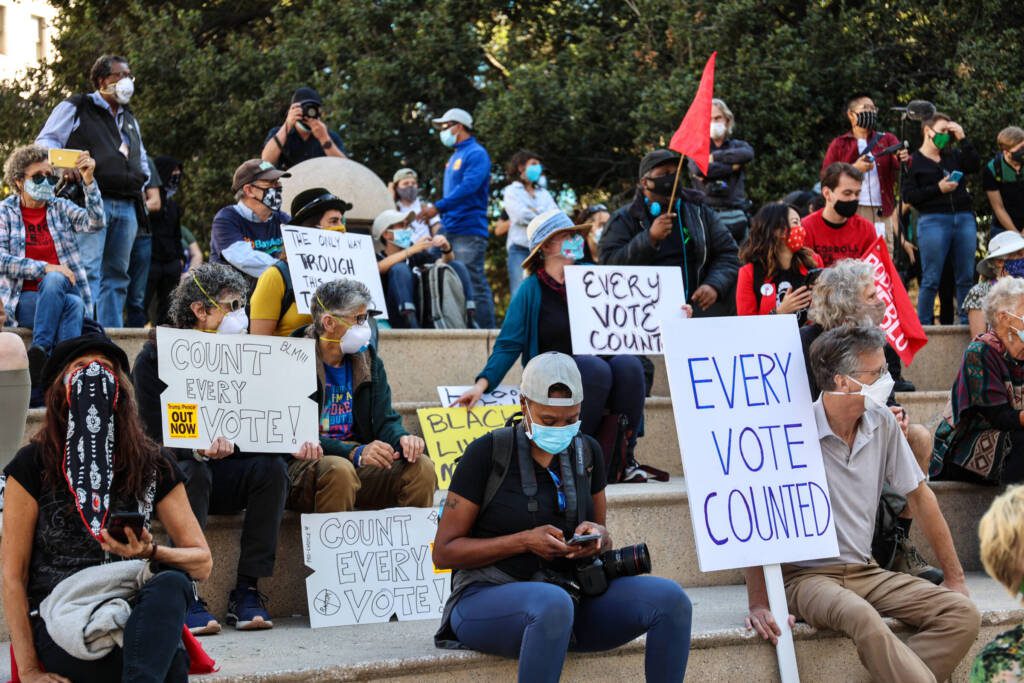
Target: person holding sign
516	543
367	460
862	449
222	480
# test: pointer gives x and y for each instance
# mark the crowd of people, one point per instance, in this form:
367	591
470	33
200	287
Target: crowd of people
102	243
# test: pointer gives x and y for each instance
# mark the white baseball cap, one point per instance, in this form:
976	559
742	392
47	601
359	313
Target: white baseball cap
545	371
385	219
454	116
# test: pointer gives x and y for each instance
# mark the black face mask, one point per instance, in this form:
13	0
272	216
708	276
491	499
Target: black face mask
1018	156
847	209
661	186
867	119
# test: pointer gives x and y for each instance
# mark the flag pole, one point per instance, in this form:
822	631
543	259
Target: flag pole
675	185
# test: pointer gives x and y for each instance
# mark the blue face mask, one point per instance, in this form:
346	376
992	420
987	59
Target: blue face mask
447	137
572	247
1014	267
40	192
552	440
533	172
402	238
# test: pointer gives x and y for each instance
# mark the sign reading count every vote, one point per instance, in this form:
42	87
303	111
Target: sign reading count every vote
749	441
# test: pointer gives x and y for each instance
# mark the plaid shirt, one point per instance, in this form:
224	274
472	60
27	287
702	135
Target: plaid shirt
64	218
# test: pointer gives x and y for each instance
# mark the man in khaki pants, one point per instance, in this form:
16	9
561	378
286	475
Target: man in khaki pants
862	448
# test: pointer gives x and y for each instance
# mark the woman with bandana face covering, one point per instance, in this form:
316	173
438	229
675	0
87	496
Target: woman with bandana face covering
221	479
523	199
57	516
43	283
1005	259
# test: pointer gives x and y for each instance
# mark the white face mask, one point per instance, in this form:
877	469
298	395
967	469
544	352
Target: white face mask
235	322
123	90
877	392
717	130
356	338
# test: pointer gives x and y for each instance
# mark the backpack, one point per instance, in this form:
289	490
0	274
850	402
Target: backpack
441	301
884	541
289	293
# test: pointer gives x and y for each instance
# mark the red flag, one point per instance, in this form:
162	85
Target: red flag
693	137
902	328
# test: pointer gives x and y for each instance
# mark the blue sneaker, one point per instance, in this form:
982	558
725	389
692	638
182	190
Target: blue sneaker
199	620
247	610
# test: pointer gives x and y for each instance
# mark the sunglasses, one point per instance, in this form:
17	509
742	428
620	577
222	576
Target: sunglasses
561	490
49	178
231	305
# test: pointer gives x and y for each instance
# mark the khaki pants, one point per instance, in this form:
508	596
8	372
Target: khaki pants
853	598
333	484
870	214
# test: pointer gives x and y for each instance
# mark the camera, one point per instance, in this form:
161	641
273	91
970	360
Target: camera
593	577
717	188
310	110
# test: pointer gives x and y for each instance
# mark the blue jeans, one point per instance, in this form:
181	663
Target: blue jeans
613	382
534	621
399	289
106	255
54	312
471	251
138	279
939	234
516	255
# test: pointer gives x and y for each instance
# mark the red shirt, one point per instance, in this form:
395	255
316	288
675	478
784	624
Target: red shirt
834	244
844	148
38	241
746	299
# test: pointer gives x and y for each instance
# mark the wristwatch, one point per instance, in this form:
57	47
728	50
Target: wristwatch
328	144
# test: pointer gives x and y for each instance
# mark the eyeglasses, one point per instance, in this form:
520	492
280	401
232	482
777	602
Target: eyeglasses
49	178
358	319
873	374
561	490
121	74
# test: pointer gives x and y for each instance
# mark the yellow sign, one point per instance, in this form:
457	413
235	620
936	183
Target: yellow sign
448	431
182	421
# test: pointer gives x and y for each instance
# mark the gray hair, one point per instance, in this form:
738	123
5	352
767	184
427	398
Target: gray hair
838	352
1006	295
730	120
343	297
837	297
216	279
20	159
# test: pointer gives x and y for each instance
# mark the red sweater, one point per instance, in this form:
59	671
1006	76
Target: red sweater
844	148
834	244
746	300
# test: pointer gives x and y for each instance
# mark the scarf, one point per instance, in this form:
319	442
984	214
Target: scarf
552	283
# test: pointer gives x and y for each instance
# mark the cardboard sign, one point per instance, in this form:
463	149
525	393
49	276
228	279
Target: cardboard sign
503	395
368	566
619	310
448	431
749	441
252	390
316	256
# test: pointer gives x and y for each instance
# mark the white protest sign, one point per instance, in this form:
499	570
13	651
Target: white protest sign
252	390
749	441
619	309
368	566
503	395
316	256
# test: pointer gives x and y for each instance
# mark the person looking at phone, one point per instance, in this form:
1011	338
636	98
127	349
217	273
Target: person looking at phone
303	135
50	534
513	554
774	277
935	185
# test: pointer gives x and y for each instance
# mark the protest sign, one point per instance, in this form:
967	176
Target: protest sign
503	395
619	310
316	256
901	325
368	566
252	390
448	431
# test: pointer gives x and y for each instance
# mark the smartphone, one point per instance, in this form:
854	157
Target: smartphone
585	538
955	176
119	521
64	158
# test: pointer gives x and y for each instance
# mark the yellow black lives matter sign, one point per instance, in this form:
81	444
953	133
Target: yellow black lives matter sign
183	420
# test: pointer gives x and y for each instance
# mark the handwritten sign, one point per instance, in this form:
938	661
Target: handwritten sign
250	389
316	256
503	395
448	431
749	441
368	566
619	310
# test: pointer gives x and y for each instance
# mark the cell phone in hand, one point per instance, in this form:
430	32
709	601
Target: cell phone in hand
64	158
585	538
956	176
119	521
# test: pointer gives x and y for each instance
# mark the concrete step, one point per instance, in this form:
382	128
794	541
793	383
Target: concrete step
925	407
935	366
721	649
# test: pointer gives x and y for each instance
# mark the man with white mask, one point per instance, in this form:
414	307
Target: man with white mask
101	123
367	459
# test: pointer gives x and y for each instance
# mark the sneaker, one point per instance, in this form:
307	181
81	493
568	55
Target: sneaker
199	620
247	610
903	385
909	561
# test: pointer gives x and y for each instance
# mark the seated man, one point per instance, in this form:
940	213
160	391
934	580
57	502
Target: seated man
368	460
863	449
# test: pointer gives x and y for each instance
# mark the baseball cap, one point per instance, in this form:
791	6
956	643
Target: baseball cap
403	173
385	219
545	371
656	158
454	116
253	170
306	94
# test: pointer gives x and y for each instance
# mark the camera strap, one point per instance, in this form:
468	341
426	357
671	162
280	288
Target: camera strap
527	477
572	465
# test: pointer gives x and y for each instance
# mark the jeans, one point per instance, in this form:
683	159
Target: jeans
534	621
138	278
613	382
471	251
106	255
399	291
152	651
940	234
516	256
54	312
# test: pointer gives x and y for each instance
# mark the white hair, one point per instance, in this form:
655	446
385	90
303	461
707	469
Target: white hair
730	120
1006	295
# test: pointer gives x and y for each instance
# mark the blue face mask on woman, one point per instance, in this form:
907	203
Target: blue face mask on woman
402	238
1014	267
551	440
43	191
572	247
533	172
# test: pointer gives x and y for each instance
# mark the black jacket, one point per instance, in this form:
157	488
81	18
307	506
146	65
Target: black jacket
921	182
710	252
733	195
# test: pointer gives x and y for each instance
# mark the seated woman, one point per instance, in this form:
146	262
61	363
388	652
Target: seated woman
773	278
981	438
50	535
221	479
43	283
615	383
273	306
1005	258
511	564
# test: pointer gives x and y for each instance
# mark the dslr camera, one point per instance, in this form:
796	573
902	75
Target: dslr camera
310	109
593	577
717	188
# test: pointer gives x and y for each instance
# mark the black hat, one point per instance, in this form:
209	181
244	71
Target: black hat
70	349
315	201
305	94
656	158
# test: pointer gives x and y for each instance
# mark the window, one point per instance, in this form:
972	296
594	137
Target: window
40	38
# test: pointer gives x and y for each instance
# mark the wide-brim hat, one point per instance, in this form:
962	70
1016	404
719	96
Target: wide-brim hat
999	247
546	225
314	201
70	349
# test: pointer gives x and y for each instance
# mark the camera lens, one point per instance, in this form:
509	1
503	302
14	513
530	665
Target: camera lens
628	561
